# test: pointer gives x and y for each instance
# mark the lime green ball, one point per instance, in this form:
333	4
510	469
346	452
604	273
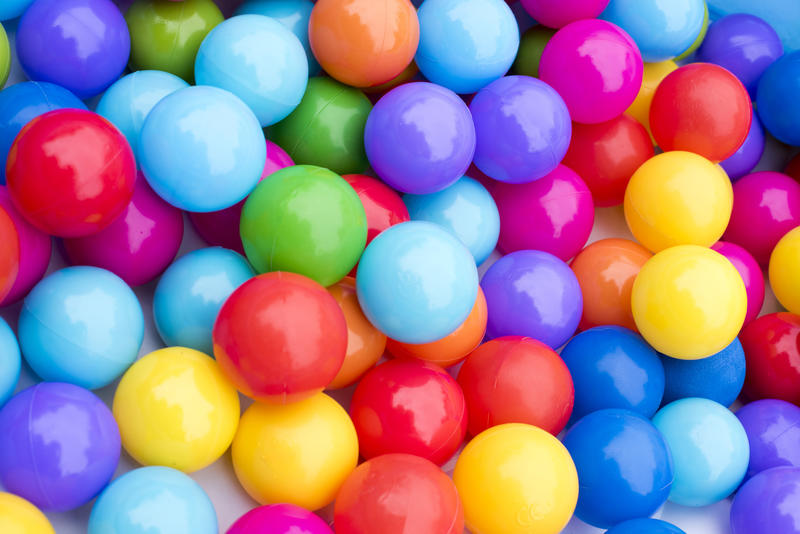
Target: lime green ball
166	35
531	46
307	220
697	42
5	57
327	128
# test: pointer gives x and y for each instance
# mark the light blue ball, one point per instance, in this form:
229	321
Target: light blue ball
719	377
191	292
128	101
81	325
466	44
416	282
709	449
202	149
152	500
10	362
662	29
294	14
11	9
777	103
466	210
259	60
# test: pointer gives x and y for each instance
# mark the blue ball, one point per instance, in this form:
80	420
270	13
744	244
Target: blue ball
709	448
613	367
202	149
466	44
11	9
777	102
466	210
662	29
645	526
624	467
259	60
416	282
191	292
719	377
153	499
10	362
21	103
293	14
81	325
128	101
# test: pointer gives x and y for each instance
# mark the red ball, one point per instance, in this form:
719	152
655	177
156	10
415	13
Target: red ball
606	155
398	494
772	352
280	337
383	205
516	379
70	173
409	406
9	253
701	108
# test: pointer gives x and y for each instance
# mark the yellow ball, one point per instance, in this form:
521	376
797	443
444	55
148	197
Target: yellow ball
688	302
18	516
299	453
516	479
784	271
176	408
652	75
678	198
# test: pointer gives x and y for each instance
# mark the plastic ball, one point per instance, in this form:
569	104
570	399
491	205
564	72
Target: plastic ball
56	186
5	56
766	205
606	155
557	15
166	35
307	220
709	450
9	259
59	446
718	377
652	75
465	45
773	428
749	154
776	104
534	294
513	476
191	292
595	67
554	214
678	198
202	149
128	506
613	367
701	108
131	98
383	206
768	503
522	128
420	137
18	516
783	266
772	350
514	379
644	526
395	492
531	46
269	314
689	52
299	453
279	519
605	271
751	275
12	9
10	362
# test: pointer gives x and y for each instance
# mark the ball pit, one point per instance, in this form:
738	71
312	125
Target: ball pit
772	427
718	377
279	519
21	517
10	362
751	275
772	350
767	502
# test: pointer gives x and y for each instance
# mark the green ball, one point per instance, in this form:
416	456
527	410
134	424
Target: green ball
307	220
5	57
531	46
327	128
166	35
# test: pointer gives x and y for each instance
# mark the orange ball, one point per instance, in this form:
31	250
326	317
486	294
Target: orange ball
605	271
364	42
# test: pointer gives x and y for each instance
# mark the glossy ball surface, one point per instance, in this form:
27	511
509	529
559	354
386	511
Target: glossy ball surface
783	265
652	75
531	45
562	13
751	275
749	154
279	519
383	206
776	106
772	427
19	516
9	260
767	502
644	526
10	362
772	349
13	8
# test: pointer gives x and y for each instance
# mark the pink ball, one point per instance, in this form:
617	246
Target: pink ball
766	205
560	13
596	68
139	245
35	248
221	228
751	275
554	213
279	519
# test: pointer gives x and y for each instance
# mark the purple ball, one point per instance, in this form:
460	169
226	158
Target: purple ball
749	154
534	294
744	44
768	503
59	445
522	128
420	138
82	45
773	430
279	519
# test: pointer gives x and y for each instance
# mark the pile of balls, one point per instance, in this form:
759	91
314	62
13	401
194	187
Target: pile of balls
350	165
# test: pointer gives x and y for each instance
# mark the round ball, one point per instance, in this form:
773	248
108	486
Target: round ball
749	154
557	15
718	377
652	75
772	350
21	517
531	46
767	503
751	275
700	36
644	526
383	206
299	453
773	428
5	56
783	267
279	519
776	104
10	362
12	9
9	259
107	340
49	173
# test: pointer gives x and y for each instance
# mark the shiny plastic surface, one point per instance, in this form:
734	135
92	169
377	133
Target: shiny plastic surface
5	56
10	362
751	275
557	15
12	9
35	248
777	107
718	377
783	268
773	430
279	519
749	154
9	259
644	526
772	348
652	75
531	45
768	502
383	206
18	516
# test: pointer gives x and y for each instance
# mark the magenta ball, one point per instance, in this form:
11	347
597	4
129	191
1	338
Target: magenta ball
596	68
279	519
560	13
751	275
221	228
554	214
139	245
